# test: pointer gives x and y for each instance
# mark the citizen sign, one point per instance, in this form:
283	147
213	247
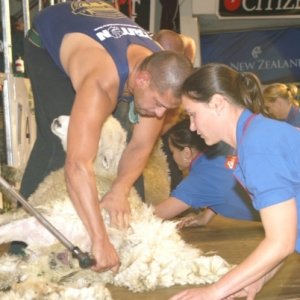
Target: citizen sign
259	8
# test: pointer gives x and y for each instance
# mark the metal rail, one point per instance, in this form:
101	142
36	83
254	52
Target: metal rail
8	81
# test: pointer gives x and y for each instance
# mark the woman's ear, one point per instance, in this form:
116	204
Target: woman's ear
187	153
217	103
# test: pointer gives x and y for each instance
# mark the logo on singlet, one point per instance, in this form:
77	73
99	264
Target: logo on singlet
95	9
116	31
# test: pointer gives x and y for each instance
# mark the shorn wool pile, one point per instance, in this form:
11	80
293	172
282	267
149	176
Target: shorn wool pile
151	251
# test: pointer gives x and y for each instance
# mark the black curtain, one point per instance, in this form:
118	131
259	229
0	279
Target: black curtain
170	15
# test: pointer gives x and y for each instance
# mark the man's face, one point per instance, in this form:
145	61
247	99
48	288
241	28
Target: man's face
150	103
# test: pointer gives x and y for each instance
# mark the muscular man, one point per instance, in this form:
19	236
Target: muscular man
82	58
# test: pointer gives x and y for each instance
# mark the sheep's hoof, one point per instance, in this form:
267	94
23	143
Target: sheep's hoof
5	288
5	283
17	248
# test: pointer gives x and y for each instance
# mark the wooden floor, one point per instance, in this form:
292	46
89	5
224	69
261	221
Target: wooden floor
233	240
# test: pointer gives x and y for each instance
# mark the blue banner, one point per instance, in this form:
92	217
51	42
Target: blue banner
273	55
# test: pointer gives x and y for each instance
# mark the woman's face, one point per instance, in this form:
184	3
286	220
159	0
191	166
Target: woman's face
179	156
204	119
278	109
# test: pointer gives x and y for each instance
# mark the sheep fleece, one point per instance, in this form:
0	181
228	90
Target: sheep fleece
151	251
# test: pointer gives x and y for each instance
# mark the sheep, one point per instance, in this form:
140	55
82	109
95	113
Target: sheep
159	258
157	180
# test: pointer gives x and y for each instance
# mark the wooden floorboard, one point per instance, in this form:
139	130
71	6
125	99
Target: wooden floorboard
233	240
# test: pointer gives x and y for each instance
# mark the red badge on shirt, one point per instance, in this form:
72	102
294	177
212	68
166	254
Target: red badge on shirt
231	162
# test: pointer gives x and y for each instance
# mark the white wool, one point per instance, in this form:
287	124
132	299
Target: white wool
38	288
111	146
151	251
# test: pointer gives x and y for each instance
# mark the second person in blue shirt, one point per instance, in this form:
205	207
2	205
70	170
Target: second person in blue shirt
209	184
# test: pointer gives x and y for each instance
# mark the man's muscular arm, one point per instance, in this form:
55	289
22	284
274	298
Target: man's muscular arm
95	99
132	163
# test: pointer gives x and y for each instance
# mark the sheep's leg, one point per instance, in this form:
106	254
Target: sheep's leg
19	230
12	215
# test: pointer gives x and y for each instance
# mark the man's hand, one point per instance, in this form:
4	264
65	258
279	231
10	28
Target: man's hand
105	256
118	207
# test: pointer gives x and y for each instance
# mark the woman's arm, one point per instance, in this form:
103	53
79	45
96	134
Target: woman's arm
261	264
170	208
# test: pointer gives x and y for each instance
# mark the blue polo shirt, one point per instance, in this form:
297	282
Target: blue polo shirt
293	117
210	184
269	161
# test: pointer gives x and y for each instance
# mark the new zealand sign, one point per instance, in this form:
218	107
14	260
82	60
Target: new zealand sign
273	55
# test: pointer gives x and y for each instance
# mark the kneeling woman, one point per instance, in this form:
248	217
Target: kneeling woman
209	184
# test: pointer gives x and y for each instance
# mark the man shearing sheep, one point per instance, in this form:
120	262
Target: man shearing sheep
82	58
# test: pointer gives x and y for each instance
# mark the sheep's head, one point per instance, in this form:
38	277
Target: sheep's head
111	146
59	127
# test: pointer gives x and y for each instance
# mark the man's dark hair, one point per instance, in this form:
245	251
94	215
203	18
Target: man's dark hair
168	70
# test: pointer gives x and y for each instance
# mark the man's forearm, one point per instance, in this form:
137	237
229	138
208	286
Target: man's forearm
131	166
